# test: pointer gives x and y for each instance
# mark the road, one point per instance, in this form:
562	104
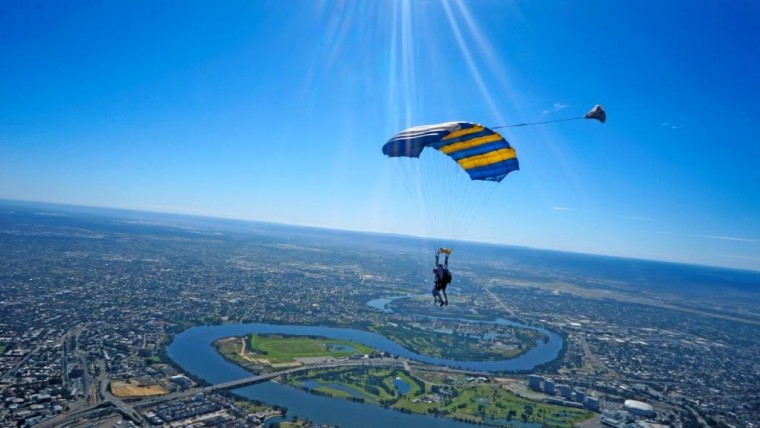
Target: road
498	301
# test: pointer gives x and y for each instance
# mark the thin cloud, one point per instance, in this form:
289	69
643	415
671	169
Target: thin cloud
728	238
635	217
673	125
740	257
562	209
718	237
555	108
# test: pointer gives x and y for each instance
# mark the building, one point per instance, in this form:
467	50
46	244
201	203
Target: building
548	387
616	419
639	408
592	403
565	391
534	382
580	395
181	380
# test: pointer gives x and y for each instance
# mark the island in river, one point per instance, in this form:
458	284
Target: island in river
261	353
424	391
454	339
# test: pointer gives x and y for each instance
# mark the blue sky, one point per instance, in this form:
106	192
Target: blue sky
277	110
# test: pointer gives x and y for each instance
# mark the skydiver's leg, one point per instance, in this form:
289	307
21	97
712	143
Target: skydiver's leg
446	297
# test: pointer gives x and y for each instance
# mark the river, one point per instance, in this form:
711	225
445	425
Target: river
193	351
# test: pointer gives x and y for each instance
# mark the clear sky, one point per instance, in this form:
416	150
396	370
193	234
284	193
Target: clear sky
277	111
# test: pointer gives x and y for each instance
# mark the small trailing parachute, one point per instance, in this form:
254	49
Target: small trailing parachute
483	153
597	113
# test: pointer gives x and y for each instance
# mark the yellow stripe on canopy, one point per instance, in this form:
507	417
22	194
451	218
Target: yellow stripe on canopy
487	158
461	132
451	148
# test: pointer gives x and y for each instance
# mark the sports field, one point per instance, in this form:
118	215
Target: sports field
280	349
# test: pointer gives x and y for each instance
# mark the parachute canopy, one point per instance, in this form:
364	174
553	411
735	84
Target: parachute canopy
483	153
597	113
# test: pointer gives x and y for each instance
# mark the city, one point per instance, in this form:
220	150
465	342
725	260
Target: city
92	300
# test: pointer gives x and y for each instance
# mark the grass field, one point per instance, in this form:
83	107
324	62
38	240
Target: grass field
152	360
280	349
487	402
261	353
2	349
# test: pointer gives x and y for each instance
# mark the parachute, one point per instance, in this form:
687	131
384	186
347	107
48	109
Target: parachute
460	164
483	153
459	167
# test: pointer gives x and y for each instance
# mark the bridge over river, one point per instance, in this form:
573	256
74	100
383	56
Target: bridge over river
369	362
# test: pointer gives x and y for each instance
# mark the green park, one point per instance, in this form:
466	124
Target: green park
454	396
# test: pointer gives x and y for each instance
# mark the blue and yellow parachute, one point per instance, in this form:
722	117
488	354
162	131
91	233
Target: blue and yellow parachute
483	153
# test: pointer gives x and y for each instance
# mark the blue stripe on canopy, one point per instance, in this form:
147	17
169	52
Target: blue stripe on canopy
494	172
479	150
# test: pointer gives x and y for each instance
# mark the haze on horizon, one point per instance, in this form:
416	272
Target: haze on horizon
276	111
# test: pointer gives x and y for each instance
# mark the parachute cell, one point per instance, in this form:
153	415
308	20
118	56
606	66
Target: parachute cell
483	153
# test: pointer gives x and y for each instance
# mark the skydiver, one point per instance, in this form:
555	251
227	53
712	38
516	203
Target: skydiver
442	277
438	272
441	282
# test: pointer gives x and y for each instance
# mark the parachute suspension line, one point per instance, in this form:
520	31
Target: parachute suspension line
409	173
469	218
444	183
451	196
435	183
537	123
458	213
596	113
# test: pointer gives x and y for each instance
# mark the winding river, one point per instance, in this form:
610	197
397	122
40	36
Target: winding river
193	351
